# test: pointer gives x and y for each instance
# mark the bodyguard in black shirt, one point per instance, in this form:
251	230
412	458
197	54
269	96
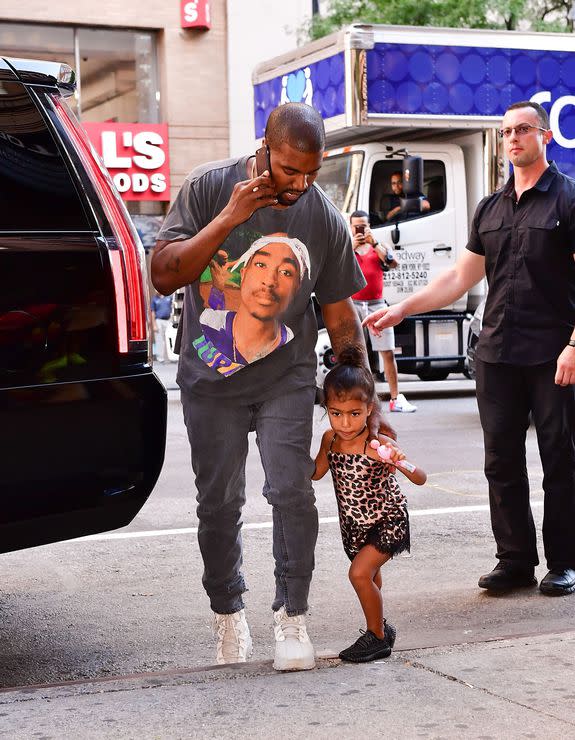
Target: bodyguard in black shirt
523	240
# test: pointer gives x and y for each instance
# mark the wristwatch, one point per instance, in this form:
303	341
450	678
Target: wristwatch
571	343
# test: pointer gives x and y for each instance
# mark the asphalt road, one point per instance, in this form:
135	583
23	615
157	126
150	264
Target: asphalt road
130	603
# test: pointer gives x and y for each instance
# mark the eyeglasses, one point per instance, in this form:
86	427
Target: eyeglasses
521	130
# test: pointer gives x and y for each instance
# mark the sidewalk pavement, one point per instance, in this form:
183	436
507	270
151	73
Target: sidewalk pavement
507	689
468	665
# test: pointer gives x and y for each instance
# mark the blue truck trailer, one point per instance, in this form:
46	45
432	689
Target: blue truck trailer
440	94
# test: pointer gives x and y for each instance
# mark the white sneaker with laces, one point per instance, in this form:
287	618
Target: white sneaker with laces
401	405
294	651
234	639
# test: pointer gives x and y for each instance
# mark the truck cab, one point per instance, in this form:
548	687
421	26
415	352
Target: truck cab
425	243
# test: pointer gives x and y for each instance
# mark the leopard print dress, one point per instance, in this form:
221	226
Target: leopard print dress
372	509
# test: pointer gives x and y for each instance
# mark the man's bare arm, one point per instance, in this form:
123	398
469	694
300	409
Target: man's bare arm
178	263
446	288
382	254
449	286
343	326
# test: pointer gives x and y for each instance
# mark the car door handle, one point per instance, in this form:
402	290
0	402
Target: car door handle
442	248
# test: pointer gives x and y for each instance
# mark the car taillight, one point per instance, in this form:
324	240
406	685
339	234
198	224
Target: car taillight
126	256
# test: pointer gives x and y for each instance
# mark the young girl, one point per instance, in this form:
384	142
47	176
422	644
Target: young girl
372	510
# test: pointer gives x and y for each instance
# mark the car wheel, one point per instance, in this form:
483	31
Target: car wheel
433	374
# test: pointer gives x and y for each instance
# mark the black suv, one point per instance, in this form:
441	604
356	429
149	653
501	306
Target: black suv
82	415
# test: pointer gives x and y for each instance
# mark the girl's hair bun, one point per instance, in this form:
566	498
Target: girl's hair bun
350	375
352	355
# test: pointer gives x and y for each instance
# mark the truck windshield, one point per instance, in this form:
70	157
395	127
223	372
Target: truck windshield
339	178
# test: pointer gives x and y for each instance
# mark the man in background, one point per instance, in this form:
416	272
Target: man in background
374	259
161	307
394	200
523	240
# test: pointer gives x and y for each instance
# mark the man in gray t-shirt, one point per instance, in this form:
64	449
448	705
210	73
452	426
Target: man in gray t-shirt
250	249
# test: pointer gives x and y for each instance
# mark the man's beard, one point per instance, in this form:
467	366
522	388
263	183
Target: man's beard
283	202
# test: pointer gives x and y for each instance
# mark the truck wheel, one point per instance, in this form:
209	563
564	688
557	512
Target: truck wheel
433	374
325	357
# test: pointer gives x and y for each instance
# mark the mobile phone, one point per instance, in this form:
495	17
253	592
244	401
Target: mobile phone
359	228
263	160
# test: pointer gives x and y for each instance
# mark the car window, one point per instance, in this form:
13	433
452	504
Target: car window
36	191
382	200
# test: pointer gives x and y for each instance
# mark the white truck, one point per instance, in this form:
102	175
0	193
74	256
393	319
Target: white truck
439	94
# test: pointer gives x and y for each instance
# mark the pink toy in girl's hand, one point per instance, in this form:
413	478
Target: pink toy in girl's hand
382	450
385	453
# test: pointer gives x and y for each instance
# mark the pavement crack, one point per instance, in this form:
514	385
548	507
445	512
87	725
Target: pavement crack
483	690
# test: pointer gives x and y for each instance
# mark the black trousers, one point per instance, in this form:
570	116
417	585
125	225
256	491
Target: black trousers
506	394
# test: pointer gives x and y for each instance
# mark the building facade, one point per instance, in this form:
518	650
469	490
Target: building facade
157	92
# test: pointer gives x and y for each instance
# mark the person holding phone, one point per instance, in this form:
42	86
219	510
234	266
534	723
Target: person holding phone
374	259
268	222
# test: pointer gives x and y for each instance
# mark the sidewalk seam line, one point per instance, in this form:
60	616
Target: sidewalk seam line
461	682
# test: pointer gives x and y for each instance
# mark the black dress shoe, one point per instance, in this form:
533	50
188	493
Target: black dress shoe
558	582
505	577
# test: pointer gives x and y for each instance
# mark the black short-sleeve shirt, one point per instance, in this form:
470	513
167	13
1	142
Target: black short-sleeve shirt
528	248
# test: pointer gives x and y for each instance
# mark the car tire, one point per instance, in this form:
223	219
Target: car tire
433	374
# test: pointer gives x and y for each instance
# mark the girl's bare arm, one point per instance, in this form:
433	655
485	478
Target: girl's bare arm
398	460
417	475
321	463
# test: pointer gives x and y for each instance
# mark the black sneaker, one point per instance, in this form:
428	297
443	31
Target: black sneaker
369	647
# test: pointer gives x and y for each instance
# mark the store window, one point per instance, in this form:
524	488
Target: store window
50	43
116	70
117	76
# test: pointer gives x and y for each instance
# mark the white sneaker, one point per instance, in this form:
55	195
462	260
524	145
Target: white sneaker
294	651
234	639
402	405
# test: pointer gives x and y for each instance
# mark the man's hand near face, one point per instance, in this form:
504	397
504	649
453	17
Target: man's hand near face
248	196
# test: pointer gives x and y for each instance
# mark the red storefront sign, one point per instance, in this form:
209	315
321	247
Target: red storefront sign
195	14
136	155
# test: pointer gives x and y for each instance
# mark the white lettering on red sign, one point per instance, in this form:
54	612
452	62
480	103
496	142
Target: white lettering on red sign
140	151
191	11
150	146
195	14
140	183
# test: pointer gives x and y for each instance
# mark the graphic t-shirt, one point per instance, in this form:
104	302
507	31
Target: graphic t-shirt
248	327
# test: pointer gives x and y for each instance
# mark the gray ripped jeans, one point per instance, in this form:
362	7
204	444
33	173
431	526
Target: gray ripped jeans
218	434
